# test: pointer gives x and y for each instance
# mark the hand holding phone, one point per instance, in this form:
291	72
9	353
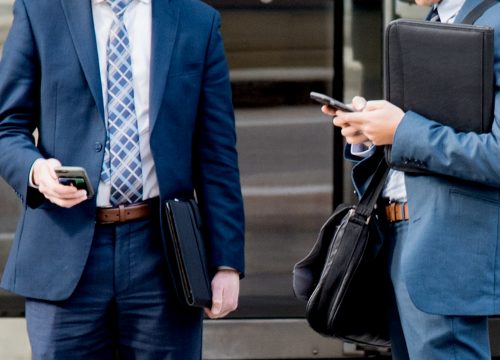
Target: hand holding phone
331	102
75	176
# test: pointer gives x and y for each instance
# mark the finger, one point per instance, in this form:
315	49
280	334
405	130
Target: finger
66	191
358	103
65	200
217	301
64	197
350	131
328	110
353	135
356	139
210	314
67	203
64	194
79	194
356	119
53	164
341	122
52	188
230	302
375	104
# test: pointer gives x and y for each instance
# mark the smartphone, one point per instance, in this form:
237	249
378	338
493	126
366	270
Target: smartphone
327	100
76	176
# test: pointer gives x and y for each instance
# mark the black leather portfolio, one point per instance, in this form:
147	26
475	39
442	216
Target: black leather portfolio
186	255
441	71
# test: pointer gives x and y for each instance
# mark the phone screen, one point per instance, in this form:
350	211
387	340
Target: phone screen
75	176
77	182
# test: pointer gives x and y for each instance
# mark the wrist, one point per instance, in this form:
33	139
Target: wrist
33	180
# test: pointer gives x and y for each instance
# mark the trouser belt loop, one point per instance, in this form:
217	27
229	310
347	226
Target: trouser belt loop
121	213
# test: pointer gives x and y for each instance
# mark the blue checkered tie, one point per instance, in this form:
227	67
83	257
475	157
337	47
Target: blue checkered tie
122	159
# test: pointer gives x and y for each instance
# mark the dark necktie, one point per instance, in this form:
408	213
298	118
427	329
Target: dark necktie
434	15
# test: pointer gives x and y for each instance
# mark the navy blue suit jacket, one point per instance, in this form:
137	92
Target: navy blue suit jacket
451	257
49	80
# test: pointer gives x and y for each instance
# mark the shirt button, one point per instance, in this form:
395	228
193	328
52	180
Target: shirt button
98	146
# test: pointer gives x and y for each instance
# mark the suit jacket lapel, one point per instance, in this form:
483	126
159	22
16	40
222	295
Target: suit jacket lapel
165	21
81	25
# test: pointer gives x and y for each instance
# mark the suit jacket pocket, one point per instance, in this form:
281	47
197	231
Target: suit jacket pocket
476	218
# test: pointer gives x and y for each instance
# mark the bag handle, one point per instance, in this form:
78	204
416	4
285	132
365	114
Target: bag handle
367	202
478	11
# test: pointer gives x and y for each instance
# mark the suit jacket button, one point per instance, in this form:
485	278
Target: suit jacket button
98	146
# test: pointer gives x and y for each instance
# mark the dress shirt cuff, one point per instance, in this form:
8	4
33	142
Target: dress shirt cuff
227	268
31	182
362	150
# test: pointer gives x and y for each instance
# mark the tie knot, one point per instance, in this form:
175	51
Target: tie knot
435	14
118	6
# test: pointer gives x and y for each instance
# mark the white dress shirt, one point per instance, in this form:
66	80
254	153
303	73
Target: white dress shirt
448	10
395	189
138	22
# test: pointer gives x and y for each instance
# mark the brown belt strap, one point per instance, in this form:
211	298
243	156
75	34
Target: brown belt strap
123	213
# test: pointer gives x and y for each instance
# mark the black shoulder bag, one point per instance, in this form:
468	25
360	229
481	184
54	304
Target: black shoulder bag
344	278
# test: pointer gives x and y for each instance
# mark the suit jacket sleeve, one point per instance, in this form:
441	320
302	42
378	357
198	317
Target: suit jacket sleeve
19	105
216	163
441	150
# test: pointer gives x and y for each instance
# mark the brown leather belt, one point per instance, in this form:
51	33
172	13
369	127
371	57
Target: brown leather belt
124	213
396	212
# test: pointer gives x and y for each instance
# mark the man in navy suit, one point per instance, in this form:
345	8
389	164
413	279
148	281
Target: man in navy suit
443	226
136	92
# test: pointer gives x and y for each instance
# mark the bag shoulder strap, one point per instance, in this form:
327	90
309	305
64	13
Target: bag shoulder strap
369	199
478	11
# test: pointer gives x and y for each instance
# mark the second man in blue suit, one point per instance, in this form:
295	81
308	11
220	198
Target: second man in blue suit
443	226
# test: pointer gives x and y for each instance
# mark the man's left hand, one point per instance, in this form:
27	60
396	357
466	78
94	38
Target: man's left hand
225	292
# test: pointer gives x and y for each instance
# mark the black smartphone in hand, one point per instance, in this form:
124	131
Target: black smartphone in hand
76	176
331	102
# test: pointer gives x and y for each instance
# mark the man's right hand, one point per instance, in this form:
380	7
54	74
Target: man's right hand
352	135
45	178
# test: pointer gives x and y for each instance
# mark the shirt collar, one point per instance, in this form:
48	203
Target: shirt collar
448	9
